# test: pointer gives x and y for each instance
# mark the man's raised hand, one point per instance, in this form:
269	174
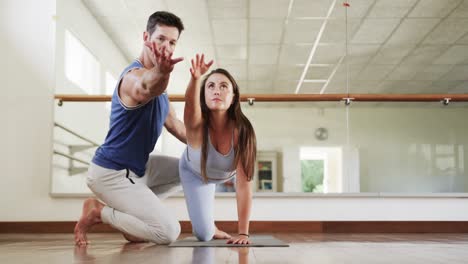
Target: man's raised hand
163	62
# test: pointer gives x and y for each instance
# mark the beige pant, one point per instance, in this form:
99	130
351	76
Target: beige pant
133	204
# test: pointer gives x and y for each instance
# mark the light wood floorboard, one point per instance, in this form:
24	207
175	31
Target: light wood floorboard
304	248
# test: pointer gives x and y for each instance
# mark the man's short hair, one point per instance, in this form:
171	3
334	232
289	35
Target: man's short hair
163	18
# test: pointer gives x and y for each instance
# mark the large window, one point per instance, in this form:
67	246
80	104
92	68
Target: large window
81	67
110	86
111	82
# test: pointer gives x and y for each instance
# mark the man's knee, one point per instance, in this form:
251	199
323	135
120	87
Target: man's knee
133	239
166	232
173	231
90	182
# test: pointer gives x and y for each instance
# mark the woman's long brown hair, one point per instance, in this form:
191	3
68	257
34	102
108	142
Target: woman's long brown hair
246	149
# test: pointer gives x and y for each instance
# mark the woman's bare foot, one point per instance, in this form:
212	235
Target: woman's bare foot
91	215
221	234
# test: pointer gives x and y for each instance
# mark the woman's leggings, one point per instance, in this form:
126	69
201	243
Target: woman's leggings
199	197
133	204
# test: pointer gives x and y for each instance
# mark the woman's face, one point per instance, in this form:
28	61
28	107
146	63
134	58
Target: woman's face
218	92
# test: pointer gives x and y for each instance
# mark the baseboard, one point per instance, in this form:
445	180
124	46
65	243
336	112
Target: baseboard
268	227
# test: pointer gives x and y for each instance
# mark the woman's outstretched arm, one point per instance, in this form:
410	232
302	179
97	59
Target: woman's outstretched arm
192	111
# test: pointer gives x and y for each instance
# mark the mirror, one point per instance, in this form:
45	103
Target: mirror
302	47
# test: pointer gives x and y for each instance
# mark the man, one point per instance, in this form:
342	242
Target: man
122	174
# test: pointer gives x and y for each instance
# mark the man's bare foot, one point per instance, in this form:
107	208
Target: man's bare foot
91	215
134	247
221	234
81	254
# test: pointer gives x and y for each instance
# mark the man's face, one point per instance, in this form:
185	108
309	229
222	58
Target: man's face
164	36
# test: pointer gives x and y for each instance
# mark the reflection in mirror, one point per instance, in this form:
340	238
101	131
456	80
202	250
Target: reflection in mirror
296	47
127	253
212	255
410	147
301	146
408	47
388	147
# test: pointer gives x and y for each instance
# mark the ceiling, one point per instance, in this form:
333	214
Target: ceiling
299	46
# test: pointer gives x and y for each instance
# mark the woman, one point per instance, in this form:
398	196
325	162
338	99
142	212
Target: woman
221	144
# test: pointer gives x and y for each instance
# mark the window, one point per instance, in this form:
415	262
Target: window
81	67
312	175
111	82
313	169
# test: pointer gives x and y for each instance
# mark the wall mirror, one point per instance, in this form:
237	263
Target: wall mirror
294	48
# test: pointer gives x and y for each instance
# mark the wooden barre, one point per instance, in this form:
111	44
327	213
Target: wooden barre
298	97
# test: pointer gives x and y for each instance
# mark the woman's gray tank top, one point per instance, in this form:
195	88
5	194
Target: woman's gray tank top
219	167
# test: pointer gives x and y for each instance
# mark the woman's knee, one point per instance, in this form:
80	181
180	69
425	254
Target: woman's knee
204	233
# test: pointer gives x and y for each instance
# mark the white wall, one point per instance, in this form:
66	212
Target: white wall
27	49
90	120
28	41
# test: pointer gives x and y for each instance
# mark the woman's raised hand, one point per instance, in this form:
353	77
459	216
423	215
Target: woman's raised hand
199	67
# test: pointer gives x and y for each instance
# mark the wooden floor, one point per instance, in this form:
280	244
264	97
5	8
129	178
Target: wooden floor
304	248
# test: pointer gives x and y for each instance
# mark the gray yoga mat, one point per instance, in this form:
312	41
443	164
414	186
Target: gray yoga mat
256	241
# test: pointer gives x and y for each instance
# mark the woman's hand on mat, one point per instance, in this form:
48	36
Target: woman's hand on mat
199	67
239	239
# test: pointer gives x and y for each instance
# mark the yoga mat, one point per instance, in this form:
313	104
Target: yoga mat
255	241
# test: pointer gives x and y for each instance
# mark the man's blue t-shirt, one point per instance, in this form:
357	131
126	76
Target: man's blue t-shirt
133	131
